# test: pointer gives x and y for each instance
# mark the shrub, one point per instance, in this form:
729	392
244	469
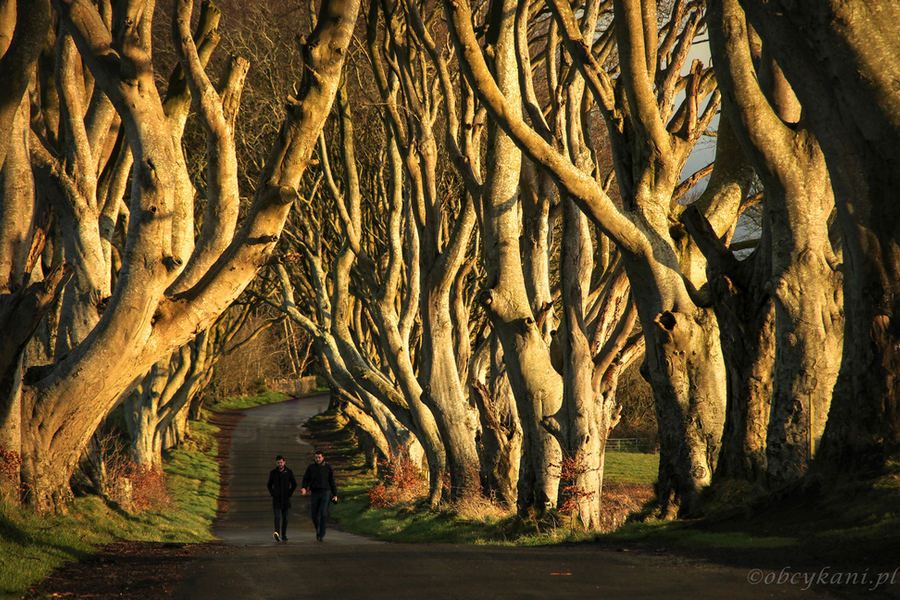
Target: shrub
401	481
10	461
133	487
571	494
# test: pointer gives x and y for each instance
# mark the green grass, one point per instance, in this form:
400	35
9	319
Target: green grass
480	525
242	402
32	545
684	533
474	521
832	521
742	524
471	521
631	467
861	514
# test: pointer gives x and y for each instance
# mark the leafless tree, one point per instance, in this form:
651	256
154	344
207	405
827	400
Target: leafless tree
840	60
160	300
683	357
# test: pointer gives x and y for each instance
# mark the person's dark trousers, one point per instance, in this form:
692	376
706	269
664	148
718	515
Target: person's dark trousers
319	506
281	515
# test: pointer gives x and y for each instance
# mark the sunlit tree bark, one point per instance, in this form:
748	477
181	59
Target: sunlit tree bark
23	30
443	232
840	60
795	263
683	360
142	323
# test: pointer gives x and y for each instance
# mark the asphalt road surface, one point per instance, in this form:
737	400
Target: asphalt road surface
251	565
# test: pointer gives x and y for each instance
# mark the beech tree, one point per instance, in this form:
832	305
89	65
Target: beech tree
375	200
683	357
157	410
160	301
608	318
22	36
785	299
840	60
474	272
443	231
360	374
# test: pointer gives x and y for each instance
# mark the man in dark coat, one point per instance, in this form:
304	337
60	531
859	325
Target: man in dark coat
281	486
319	481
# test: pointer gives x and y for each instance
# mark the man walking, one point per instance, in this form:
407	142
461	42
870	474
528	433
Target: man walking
281	486
319	481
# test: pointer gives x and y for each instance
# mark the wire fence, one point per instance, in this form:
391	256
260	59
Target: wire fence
645	445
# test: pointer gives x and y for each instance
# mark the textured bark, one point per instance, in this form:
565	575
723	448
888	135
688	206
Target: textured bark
746	317
443	235
442	390
69	182
20	314
796	278
587	414
584	430
375	433
24	26
501	430
744	312
460	311
170	385
536	192
348	374
397	354
393	326
683	358
50	424
18	206
140	325
145	414
217	110
189	83
838	58
396	347
536	385
690	399
156	412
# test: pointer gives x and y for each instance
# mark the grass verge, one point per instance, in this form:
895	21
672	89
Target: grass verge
631	467
810	524
32	546
473	519
242	402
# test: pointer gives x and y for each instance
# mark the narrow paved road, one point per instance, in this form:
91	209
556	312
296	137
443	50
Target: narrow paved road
251	565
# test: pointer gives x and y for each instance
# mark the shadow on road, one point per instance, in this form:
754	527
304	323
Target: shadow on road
250	564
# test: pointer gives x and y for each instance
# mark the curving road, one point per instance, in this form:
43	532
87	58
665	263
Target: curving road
251	565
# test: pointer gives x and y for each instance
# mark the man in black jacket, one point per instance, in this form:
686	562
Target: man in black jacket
281	486
319	481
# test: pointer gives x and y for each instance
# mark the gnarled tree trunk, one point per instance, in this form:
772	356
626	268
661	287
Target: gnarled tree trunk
142	324
839	59
796	271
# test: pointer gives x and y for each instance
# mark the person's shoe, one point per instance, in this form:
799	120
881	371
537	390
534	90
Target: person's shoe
284	538
276	536
318	538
